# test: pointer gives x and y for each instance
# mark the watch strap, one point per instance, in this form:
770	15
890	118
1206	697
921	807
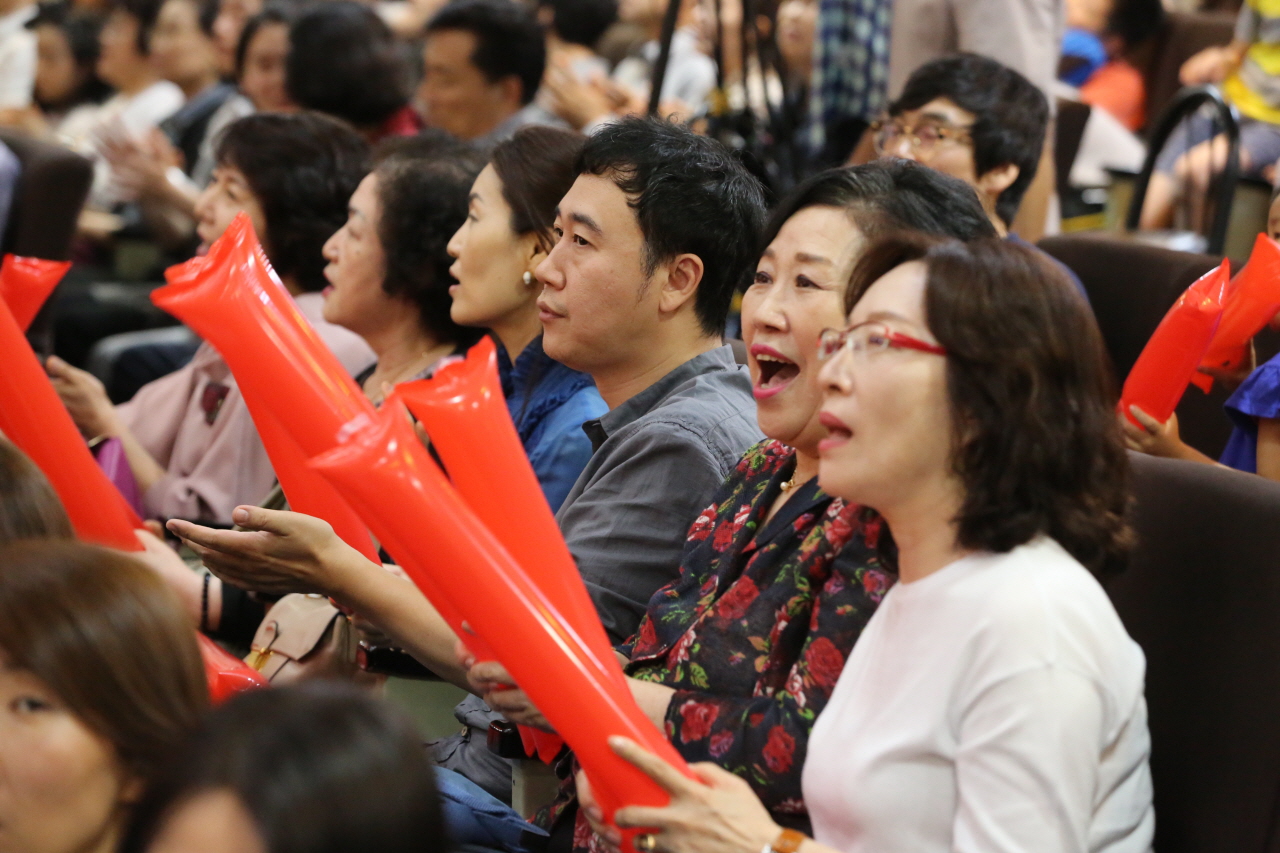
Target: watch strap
788	841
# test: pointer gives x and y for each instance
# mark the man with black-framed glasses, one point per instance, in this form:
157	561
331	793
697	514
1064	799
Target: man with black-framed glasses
972	118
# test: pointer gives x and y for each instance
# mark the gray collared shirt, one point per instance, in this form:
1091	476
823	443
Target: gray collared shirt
659	457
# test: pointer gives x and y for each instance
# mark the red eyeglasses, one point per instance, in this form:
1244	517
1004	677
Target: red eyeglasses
870	337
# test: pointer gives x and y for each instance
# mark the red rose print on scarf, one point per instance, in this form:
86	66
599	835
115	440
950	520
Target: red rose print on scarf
779	750
825	662
701	527
876	584
733	605
721	742
696	719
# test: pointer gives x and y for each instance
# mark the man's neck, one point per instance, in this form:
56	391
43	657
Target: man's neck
141	79
191	88
620	383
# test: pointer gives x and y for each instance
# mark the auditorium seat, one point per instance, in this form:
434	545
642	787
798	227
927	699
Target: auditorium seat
1201	595
1131	285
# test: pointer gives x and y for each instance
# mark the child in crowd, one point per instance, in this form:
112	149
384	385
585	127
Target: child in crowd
1254	409
1100	37
1246	71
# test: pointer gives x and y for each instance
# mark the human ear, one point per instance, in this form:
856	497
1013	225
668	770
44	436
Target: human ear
684	274
511	88
997	180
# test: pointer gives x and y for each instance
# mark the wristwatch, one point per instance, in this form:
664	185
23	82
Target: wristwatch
788	841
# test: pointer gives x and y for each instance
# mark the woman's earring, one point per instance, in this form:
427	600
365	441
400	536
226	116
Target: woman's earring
528	279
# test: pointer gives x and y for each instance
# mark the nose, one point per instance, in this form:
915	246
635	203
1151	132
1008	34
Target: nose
203	201
454	249
330	249
770	312
548	272
834	375
903	147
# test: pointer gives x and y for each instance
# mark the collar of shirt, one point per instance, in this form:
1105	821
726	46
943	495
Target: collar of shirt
720	358
535	385
15	21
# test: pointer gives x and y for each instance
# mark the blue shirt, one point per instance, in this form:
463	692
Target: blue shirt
549	403
1257	397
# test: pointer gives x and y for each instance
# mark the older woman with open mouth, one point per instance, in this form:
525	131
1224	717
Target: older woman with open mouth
735	659
994	701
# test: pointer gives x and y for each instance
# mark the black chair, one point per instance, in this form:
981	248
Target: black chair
1187	104
1201	595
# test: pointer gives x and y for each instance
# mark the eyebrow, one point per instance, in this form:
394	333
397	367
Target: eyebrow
587	221
474	197
806	258
881	316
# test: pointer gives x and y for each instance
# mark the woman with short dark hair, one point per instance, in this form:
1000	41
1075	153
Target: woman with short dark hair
188	436
994	701
100	679
314	768
388	273
506	234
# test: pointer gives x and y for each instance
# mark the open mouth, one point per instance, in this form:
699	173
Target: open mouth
775	371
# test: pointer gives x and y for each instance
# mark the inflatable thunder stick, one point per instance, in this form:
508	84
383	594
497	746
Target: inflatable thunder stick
386	473
308	493
33	418
465	413
226	674
240	308
1170	358
25	285
1252	299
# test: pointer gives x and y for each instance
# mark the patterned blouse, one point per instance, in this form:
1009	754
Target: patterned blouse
755	631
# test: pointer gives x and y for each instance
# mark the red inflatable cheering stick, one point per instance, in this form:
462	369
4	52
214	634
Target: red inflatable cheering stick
1251	301
1169	360
33	418
227	674
465	413
25	285
231	298
386	473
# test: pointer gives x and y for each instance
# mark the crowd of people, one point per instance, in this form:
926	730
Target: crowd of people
833	447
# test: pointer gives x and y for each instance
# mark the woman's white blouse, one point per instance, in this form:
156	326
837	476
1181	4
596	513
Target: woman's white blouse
995	705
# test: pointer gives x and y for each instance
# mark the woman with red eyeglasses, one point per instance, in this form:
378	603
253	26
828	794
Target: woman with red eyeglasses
994	701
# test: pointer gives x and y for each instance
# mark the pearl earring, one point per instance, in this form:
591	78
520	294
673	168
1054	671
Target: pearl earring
528	279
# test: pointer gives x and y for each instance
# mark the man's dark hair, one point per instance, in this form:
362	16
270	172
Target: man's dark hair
1010	115
1031	393
145	13
302	169
422	194
581	21
889	195
344	61
509	40
320	766
690	195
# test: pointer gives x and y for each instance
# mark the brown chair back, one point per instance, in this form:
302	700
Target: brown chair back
51	191
1131	285
1201	595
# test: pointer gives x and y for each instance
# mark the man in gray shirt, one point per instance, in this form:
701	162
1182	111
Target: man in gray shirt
654	236
652	239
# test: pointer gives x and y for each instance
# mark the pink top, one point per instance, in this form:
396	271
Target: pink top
215	462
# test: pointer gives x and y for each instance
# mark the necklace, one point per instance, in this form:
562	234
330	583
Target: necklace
789	485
